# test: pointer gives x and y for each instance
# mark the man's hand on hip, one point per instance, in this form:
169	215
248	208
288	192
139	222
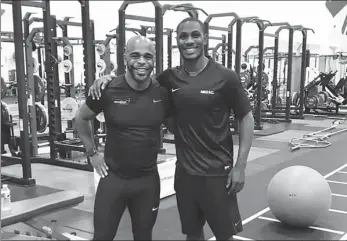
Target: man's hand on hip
98	162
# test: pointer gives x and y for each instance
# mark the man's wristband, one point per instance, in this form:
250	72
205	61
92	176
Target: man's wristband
91	152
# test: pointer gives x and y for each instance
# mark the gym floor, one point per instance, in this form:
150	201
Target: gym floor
269	154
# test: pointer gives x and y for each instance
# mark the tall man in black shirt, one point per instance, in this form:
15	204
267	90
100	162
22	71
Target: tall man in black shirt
134	107
202	94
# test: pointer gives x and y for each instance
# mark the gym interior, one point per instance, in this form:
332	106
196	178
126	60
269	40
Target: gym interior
296	173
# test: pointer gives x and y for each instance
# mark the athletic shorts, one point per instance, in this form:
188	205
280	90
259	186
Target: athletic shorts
140	195
201	199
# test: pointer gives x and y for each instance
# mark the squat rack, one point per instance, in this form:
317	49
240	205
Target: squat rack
275	109
239	22
25	159
53	89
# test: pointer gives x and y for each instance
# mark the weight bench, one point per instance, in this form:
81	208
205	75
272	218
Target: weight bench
36	204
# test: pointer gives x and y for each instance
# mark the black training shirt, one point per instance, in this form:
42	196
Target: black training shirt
201	108
133	121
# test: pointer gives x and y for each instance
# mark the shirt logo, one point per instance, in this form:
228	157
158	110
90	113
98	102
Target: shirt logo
207	92
154	209
174	90
122	102
156	101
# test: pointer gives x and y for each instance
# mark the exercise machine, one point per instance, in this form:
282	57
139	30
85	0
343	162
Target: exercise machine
283	112
326	101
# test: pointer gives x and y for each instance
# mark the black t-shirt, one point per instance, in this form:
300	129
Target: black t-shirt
133	120
201	108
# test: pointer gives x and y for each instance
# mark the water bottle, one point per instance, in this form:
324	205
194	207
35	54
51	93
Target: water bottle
5	198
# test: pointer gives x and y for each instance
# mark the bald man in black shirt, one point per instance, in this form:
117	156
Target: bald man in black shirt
134	107
202	94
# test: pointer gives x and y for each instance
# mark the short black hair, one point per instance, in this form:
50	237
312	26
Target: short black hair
191	19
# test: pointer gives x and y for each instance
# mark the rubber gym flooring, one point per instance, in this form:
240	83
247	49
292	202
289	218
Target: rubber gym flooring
269	154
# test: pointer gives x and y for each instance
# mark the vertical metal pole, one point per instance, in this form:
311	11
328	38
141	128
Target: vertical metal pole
169	48
50	63
67	88
39	59
26	32
31	95
121	42
106	57
303	74
88	46
159	56
230	48
238	46
207	32
224	42
93	62
21	85
67	75
56	84
88	49
92	66
274	77
159	39
259	83
289	74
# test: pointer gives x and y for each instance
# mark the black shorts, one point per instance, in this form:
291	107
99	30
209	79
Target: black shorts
140	195
201	199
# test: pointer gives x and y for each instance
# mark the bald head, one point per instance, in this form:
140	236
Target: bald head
140	57
139	42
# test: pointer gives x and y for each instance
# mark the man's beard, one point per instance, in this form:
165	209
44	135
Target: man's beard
137	77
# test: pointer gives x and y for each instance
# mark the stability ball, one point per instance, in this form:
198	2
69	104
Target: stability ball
298	195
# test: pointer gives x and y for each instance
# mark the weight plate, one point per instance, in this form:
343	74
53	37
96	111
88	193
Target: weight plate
39	88
311	102
101	65
41	118
69	107
3	88
101	117
67	50
245	66
320	100
101	49
67	65
36	66
245	79
5	114
324	95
